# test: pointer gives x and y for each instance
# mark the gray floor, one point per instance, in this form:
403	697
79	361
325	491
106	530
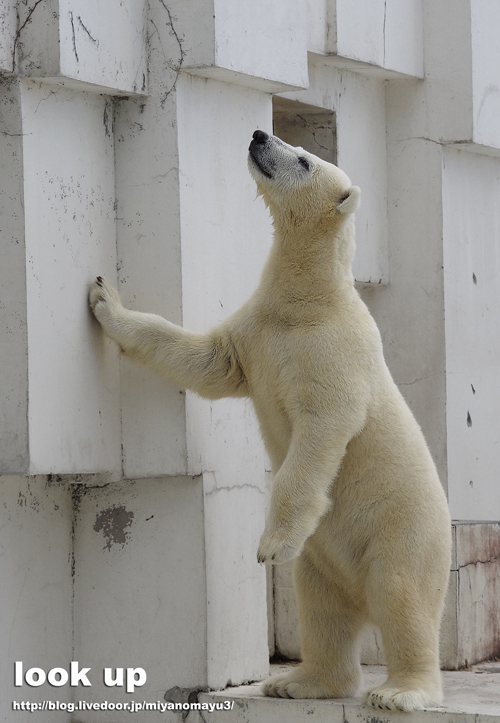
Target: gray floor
470	696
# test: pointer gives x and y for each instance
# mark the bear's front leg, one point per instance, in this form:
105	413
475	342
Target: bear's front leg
300	490
206	363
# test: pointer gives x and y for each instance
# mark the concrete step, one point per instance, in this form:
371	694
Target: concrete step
470	696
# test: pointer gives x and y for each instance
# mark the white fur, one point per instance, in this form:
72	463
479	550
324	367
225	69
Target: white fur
356	498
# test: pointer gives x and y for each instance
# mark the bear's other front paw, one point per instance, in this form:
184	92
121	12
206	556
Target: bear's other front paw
279	546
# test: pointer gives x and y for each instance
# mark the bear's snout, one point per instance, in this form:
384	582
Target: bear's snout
260	154
260	137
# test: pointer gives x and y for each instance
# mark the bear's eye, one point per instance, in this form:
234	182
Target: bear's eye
304	162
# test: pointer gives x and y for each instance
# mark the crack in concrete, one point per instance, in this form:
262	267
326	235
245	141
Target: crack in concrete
20	28
496	558
182	54
419	379
74	37
234	487
87	31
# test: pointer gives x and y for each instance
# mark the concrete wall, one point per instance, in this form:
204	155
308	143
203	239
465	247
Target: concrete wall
472	300
123	140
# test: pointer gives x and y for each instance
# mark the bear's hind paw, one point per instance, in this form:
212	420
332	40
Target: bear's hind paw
397	699
303	685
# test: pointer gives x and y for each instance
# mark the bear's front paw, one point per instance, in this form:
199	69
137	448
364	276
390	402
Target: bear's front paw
103	299
279	546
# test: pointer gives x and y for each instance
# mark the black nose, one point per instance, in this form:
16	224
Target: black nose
260	137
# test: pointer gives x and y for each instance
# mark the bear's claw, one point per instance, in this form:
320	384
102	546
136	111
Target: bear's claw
278	548
103	295
397	699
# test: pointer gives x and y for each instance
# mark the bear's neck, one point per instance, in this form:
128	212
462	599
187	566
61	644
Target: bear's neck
310	272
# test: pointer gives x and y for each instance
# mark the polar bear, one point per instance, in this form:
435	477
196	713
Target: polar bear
356	498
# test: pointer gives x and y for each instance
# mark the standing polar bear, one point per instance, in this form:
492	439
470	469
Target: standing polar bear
356	498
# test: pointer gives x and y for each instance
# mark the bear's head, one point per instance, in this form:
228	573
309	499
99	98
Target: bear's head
298	187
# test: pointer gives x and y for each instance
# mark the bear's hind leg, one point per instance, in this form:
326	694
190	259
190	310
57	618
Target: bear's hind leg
330	623
409	620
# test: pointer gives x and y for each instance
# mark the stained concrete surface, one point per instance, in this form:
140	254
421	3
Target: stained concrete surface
470	696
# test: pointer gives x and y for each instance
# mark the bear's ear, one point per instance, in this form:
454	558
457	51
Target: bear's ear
349	203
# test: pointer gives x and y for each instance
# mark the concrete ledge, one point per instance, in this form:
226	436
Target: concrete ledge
470	696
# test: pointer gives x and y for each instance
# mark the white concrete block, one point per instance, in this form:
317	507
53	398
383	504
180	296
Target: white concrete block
225	243
84	41
8	28
485	19
35	566
404	37
140	588
237	647
448	86
74	423
260	44
471	186
286	624
149	253
440	108
384	34
148	243
317	23
409	312
459	101
14	455
361	153
359	30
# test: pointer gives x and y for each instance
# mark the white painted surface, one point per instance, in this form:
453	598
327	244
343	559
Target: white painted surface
404	37
485	20
471	236
317	22
7	33
149	254
101	44
70	238
104	43
410	311
387	34
140	589
35	566
14	455
360	30
263	39
251	43
237	646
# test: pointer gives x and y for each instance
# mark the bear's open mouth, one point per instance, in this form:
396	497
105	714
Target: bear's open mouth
255	160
